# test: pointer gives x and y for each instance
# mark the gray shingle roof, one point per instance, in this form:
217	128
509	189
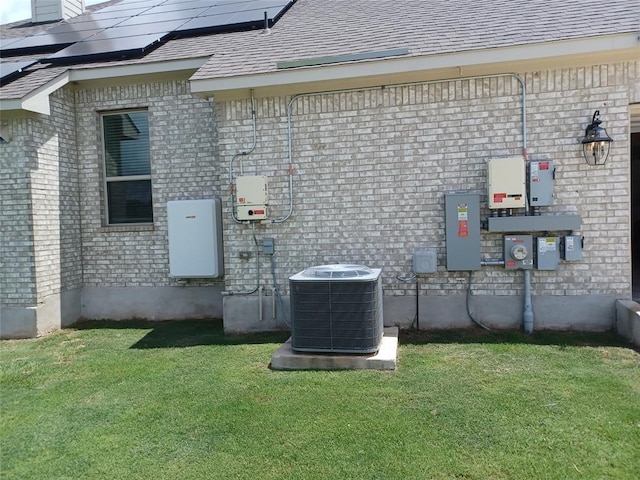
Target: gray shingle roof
315	28
318	28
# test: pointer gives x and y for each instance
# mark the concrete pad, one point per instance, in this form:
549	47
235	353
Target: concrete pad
285	358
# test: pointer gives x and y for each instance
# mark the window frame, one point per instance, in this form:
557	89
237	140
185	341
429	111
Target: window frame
128	178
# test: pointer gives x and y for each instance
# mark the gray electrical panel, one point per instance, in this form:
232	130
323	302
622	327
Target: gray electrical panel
540	182
534	223
195	238
548	249
518	252
462	232
572	248
268	246
425	260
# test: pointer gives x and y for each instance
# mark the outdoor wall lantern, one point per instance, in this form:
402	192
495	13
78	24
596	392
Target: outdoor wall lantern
596	143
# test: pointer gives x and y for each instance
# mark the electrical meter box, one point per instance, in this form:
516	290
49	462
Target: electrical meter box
572	248
462	231
540	180
518	252
251	198
548	250
506	182
195	238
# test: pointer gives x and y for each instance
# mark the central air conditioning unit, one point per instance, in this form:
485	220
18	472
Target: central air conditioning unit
336	308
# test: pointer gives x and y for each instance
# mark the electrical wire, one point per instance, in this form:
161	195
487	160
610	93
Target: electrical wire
254	290
416	318
277	291
477	322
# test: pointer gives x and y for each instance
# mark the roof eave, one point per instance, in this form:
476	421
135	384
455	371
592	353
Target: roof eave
603	49
37	101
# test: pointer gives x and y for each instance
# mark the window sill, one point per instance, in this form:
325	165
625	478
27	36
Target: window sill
129	227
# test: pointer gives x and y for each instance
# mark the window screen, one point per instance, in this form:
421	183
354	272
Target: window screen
127	167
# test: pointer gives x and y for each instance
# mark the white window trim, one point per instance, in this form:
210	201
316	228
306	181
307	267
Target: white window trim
107	180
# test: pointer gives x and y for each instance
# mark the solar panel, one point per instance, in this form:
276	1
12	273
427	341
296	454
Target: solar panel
108	12
205	24
173	7
42	43
82	26
133	27
183	15
8	70
228	8
159	28
9	41
129	5
125	47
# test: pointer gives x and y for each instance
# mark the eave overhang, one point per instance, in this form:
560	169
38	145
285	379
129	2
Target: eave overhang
37	101
566	53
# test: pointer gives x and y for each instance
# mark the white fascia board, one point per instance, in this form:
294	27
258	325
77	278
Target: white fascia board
405	65
38	100
137	69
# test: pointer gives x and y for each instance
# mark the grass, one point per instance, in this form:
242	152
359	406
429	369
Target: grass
180	400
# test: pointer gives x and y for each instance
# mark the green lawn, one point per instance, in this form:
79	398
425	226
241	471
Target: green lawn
180	400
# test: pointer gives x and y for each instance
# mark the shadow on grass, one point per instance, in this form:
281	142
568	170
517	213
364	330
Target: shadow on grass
183	333
189	333
547	337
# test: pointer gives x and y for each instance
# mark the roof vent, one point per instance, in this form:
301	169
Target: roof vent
43	11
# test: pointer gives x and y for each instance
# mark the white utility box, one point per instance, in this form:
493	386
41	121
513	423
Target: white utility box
251	197
506	182
195	238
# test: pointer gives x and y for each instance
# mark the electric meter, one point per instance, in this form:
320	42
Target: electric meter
518	252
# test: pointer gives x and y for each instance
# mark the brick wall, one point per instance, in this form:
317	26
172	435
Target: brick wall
371	168
40	211
184	165
55	199
17	278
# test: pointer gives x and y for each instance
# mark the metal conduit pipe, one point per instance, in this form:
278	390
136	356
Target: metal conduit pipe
253	290
366	89
241	154
528	311
492	263
273	305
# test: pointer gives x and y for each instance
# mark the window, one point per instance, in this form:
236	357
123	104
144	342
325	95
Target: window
127	167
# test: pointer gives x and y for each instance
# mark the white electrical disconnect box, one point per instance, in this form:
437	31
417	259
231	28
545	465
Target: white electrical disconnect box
506	182
195	238
251	198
